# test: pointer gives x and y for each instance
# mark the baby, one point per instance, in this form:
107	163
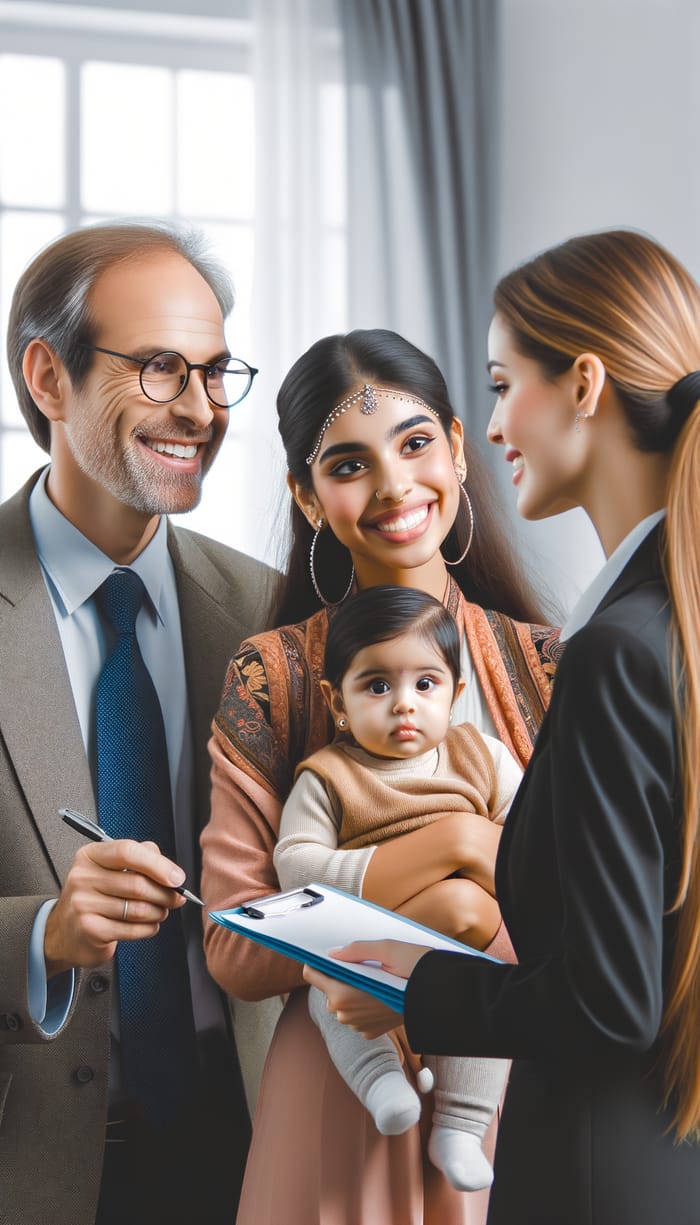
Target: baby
391	677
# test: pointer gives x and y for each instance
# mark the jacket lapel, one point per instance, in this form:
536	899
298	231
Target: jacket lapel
39	722
209	635
644	566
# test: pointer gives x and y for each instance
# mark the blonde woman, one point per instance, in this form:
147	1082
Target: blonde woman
594	351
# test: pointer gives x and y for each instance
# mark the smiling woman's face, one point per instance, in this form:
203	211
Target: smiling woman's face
385	484
535	421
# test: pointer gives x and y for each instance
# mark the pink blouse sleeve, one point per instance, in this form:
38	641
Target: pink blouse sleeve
237	848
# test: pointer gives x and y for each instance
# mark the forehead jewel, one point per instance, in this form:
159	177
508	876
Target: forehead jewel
366	397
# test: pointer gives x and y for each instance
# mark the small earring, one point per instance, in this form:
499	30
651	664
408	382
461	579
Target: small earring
319	593
342	723
468	545
579	417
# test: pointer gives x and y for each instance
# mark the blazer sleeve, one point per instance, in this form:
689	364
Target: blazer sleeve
17	1026
596	811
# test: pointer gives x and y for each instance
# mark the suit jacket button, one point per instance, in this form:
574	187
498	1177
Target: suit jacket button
11	1021
84	1074
98	983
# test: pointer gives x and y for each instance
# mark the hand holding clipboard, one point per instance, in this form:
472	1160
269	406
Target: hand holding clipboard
311	931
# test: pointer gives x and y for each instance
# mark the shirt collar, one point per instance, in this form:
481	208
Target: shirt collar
76	567
585	607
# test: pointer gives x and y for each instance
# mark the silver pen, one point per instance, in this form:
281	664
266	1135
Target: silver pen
94	831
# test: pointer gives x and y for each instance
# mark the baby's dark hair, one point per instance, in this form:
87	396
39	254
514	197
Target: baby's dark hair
379	614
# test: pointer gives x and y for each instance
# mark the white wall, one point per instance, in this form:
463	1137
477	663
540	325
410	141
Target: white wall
599	128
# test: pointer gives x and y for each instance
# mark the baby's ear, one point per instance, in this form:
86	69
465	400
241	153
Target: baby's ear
459	689
334	701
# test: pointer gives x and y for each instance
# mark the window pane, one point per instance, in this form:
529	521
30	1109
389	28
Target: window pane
22	235
32	149
215	151
127	139
233	246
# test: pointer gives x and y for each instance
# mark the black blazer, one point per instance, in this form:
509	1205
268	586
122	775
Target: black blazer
586	872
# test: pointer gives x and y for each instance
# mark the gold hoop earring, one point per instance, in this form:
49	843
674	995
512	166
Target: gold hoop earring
319	593
468	545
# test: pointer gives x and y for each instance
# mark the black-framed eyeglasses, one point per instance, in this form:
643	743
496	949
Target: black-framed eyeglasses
165	375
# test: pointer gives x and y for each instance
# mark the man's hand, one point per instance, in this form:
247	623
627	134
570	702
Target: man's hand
356	1008
120	890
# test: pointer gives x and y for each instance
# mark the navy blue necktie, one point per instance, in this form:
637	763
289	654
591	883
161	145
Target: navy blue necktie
134	801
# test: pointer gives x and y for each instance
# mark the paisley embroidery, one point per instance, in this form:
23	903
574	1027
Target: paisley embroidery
272	713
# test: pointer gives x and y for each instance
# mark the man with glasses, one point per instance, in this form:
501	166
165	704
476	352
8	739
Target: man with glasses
115	632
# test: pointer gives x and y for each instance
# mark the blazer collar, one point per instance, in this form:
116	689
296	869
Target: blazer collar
644	566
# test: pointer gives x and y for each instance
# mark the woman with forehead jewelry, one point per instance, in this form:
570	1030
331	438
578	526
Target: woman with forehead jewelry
594	351
383	491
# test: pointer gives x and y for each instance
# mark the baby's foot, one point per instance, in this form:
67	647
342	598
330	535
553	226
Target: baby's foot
458	1154
393	1104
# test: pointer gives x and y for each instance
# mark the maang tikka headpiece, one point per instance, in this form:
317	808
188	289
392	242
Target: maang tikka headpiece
367	397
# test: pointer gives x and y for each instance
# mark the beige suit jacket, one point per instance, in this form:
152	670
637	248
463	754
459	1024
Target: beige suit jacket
53	1094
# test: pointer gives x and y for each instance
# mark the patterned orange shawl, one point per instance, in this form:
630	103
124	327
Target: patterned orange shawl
273	715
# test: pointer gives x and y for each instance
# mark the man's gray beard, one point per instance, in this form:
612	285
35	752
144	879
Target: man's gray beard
173	493
129	482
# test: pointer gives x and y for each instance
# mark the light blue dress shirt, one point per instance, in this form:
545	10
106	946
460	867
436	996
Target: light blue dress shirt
73	569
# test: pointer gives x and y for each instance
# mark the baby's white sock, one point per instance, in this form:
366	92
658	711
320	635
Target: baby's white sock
392	1103
459	1155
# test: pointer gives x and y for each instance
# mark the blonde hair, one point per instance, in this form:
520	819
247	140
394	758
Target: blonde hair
623	297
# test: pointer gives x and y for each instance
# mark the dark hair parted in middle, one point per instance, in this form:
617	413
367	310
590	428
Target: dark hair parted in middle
491	574
380	614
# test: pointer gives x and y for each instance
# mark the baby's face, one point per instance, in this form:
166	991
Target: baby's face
397	697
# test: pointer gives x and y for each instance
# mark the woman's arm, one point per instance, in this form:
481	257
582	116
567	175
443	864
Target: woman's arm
307	851
237	849
359	1009
458	908
400	869
588	871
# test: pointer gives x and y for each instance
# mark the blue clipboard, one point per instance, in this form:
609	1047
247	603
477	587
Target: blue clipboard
305	924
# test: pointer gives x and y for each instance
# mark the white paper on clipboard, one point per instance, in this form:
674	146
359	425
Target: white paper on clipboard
308	933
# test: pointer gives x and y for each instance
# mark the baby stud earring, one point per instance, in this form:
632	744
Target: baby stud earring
342	723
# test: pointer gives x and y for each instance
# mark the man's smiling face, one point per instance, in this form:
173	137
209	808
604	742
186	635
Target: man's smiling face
148	456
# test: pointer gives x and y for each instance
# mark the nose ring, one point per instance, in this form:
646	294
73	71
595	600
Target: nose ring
380	497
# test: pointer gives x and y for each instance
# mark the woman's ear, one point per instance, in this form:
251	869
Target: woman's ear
588	374
306	500
457	444
334	701
45	376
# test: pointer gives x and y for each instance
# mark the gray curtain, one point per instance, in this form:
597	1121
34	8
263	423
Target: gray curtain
422	143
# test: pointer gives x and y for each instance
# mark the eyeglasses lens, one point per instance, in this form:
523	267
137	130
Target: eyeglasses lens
165	375
228	382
